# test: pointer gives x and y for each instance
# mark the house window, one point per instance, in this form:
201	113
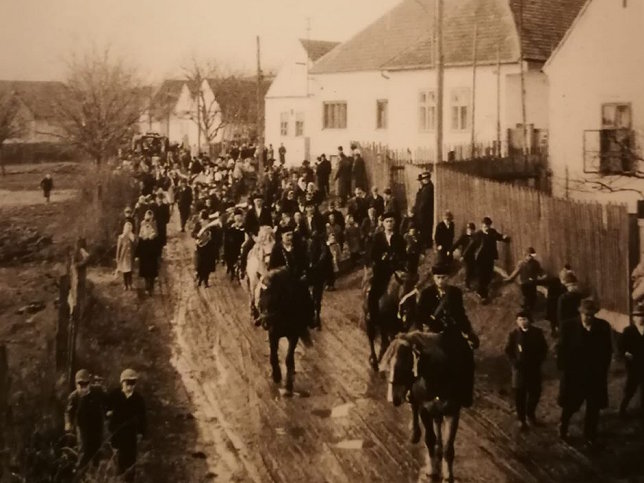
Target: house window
284	124
335	115
299	124
616	140
427	111
381	113
460	108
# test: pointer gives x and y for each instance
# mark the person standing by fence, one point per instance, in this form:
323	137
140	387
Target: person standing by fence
322	173
47	184
444	239
424	209
343	176
125	248
465	243
147	250
485	254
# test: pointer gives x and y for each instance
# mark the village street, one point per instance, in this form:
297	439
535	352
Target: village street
338	427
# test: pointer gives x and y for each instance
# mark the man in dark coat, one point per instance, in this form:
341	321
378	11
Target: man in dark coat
391	204
343	176
233	239
424	209
440	308
583	356
162	217
127	423
485	253
526	349
287	253
386	256
337	214
376	201
569	301
47	184
282	153
530	273
466	243
320	271
322	174
444	239
633	350
358	170
258	215
313	220
358	206
184	202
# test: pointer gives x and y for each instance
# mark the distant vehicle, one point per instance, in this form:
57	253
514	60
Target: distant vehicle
151	144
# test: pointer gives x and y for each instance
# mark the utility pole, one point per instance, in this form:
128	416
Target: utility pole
260	110
523	92
498	101
439	99
474	61
308	39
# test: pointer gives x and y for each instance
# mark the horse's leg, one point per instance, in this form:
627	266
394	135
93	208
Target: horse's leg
274	342
415	424
290	364
450	427
430	442
385	338
371	333
437	424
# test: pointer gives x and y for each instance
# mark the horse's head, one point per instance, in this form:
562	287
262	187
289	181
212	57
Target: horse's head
400	357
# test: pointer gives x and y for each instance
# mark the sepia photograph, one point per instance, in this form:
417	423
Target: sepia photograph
322	241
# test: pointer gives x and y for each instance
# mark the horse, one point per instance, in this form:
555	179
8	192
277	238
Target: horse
420	365
257	265
387	321
285	311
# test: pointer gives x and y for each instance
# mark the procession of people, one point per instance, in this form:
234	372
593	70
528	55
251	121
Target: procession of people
224	203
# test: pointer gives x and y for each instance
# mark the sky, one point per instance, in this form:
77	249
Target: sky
159	37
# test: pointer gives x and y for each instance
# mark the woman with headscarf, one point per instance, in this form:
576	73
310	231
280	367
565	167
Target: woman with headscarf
148	251
125	254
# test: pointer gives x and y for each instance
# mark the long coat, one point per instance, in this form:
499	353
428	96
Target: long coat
343	175
147	249
526	351
583	357
424	210
359	172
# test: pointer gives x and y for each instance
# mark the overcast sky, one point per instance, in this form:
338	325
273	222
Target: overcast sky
158	36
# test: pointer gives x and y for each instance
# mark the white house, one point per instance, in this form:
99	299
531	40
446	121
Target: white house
288	118
596	105
381	84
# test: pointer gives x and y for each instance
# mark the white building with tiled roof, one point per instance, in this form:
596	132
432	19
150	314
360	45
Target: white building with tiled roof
381	84
288	115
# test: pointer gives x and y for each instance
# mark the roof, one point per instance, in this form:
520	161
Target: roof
567	35
403	37
317	48
38	96
166	97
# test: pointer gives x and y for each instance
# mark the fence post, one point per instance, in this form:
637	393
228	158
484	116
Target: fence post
4	395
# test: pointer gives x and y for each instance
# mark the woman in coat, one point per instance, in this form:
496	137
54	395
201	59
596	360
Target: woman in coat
125	246
147	250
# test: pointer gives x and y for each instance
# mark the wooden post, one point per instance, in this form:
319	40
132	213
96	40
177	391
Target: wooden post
440	78
4	395
474	60
498	101
523	91
260	130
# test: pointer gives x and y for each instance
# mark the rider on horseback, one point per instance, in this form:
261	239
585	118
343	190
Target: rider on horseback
257	216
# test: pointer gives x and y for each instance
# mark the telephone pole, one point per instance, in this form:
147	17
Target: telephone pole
260	110
440	77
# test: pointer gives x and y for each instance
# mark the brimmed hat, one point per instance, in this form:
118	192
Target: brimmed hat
531	251
448	214
281	229
569	277
440	269
82	376
471	226
588	306
388	214
387	191
256	195
129	375
487	220
424	175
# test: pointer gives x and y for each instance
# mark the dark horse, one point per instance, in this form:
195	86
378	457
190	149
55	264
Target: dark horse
422	365
386	320
286	311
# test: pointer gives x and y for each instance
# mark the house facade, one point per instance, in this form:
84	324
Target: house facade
288	115
380	86
596	104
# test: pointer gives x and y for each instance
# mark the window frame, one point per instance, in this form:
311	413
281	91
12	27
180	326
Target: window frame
426	110
334	115
460	109
284	117
382	115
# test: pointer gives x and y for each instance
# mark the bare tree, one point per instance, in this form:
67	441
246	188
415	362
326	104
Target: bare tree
11	125
101	105
231	104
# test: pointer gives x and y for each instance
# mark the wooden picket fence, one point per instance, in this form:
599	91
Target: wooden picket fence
595	239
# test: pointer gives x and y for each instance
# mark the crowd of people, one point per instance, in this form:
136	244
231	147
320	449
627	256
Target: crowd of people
223	202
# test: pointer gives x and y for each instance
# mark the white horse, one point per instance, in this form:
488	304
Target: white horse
257	265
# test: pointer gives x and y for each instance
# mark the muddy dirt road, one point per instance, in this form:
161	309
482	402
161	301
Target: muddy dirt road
339	427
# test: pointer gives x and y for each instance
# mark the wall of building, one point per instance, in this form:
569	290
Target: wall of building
292	108
599	62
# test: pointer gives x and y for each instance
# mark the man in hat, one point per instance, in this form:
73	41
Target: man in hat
358	170
465	244
569	302
526	350
161	212
84	415
444	238
583	357
257	216
47	184
322	173
287	253
424	209
633	352
485	253
387	255
530	273
282	154
127	422
391	204
184	199
343	176
376	201
313	219
233	240
359	206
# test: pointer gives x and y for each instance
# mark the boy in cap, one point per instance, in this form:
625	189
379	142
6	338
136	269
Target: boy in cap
633	351
526	349
529	272
465	244
444	238
584	354
84	415
127	422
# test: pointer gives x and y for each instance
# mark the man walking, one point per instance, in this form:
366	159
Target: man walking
485	253
47	184
343	176
583	356
126	410
526	349
184	202
633	350
529	272
444	239
424	209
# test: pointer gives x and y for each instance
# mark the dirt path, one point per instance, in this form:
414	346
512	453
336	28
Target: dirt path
340	428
